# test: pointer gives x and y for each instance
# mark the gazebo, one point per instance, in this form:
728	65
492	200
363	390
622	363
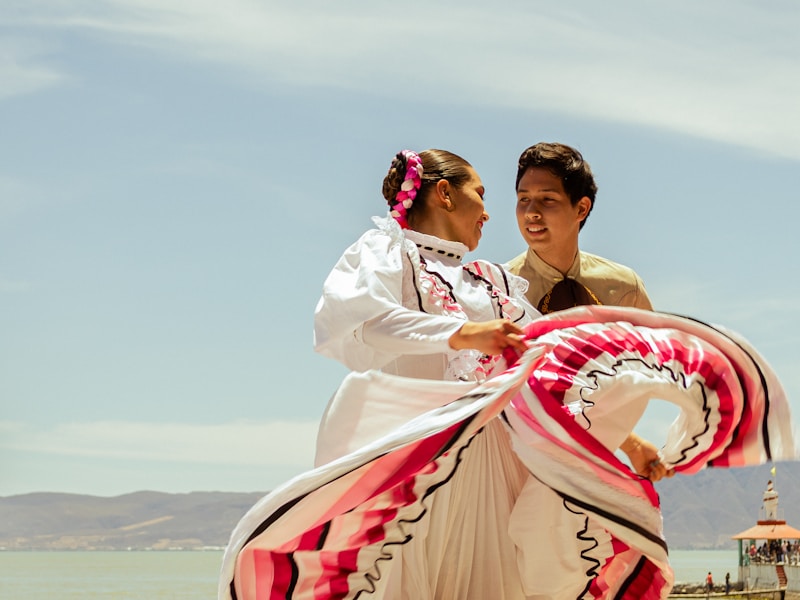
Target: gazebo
779	571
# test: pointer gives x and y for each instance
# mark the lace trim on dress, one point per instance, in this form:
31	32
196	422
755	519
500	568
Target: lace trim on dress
502	287
391	228
517	286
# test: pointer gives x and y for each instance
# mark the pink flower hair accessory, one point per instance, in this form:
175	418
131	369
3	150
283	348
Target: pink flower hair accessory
408	189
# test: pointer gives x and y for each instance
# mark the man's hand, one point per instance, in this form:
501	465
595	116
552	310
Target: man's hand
645	458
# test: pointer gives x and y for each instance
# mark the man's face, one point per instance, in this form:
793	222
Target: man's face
547	219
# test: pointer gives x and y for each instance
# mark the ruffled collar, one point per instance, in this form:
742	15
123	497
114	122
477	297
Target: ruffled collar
429	245
434	246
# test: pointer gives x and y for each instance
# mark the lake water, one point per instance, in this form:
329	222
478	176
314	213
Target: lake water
193	575
109	575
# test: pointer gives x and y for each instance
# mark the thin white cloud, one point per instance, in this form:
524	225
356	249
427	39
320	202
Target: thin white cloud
273	443
24	68
725	71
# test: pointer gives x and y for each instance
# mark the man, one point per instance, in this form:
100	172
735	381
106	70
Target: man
555	194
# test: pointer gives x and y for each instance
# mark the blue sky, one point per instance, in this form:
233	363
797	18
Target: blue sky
177	178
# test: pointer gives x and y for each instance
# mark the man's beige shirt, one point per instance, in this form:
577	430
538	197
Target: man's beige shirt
613	284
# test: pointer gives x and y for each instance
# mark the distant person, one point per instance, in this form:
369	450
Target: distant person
727	583
709	582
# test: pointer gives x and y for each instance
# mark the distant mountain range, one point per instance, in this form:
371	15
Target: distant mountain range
700	511
141	520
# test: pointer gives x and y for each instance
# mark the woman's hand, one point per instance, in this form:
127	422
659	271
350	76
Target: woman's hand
488	337
645	459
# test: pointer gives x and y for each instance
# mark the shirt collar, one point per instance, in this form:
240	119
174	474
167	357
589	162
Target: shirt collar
549	272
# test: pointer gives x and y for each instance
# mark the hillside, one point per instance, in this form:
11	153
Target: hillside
51	521
700	511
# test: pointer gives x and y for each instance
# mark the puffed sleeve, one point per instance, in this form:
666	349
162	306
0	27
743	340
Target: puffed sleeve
642	299
637	297
360	320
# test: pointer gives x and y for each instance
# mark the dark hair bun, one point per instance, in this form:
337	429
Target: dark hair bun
394	179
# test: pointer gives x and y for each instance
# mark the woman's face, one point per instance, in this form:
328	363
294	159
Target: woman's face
467	216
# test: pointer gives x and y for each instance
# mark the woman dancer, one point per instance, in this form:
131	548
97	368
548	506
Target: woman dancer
421	491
